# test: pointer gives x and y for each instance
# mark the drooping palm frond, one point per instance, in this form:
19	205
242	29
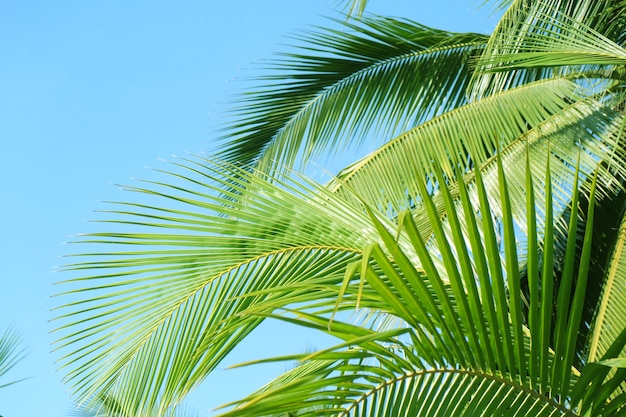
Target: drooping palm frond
548	32
160	309
498	362
378	76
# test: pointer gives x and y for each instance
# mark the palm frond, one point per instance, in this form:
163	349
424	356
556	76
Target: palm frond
160	309
356	389
365	80
473	230
542	118
10	354
541	32
480	356
560	41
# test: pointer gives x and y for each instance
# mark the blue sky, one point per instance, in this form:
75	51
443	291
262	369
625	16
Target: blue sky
91	92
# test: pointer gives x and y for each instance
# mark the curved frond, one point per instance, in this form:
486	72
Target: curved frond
562	41
542	118
159	310
465	339
361	390
375	78
554	27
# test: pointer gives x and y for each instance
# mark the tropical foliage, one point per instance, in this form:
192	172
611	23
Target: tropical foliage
10	354
481	240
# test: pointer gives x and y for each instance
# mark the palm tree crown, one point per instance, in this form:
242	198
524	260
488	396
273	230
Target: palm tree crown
483	237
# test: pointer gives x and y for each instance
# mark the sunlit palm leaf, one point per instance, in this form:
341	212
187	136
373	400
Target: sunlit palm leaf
563	42
390	376
377	77
162	310
526	23
363	390
539	118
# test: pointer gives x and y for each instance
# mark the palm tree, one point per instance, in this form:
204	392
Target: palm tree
482	239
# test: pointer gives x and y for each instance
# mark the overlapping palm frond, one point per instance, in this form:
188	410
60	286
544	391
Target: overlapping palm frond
466	349
380	75
541	39
163	309
544	114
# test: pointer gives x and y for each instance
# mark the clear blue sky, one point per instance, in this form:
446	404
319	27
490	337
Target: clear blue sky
93	91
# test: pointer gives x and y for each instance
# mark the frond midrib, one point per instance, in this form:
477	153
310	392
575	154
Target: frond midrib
101	380
329	90
475	373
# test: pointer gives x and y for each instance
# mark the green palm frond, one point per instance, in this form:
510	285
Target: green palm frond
541	118
547	34
479	356
370	79
562	41
475	243
611	313
376	390
189	270
10	354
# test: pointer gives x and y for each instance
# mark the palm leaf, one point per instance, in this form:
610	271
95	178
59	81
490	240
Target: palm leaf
560	41
364	80
471	231
163	307
541	32
385	374
10	354
540	118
